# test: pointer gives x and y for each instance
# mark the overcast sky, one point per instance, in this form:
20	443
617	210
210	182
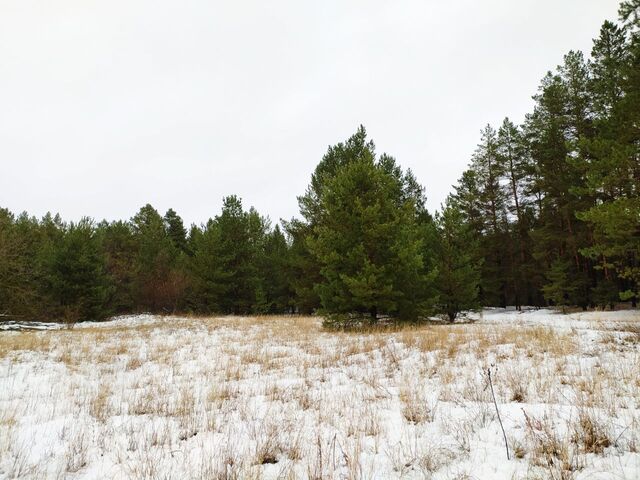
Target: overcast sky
108	105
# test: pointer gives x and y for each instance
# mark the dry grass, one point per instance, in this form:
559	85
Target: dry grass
417	405
99	407
550	449
590	433
280	397
13	342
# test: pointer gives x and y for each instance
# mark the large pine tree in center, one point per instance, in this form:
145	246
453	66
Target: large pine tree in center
367	240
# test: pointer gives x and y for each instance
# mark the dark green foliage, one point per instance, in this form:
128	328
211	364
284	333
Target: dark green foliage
608	58
51	270
565	286
208	284
458	265
273	292
75	275
630	14
554	204
513	156
491	204
613	176
304	268
229	264
365	235
175	230
616	246
303	271
338	156
19	245
159	279
120	249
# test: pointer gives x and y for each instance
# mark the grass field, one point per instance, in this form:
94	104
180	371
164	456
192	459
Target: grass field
150	397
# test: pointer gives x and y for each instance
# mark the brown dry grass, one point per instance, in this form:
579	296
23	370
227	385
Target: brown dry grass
99	407
346	382
14	342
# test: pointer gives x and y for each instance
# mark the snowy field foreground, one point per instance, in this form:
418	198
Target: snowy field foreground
222	398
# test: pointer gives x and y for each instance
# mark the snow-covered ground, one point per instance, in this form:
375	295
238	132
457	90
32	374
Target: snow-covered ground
150	397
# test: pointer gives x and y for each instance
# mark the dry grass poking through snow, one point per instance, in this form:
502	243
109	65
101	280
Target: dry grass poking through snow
278	397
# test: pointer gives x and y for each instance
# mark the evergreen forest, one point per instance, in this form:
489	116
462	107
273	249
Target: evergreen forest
546	214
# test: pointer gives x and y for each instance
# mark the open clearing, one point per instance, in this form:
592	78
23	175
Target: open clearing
150	397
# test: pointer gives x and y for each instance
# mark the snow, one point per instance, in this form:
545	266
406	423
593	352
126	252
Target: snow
278	397
16	325
120	321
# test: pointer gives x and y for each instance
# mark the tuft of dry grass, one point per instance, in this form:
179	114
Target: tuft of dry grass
590	433
133	363
99	407
550	449
417	406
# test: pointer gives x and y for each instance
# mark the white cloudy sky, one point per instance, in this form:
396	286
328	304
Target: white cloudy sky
107	105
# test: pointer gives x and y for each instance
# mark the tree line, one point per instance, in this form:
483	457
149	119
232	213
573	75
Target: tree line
547	213
555	202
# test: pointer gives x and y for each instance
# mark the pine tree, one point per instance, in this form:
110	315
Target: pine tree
565	285
207	269
175	230
458	277
75	274
629	13
274	295
356	148
483	200
304	271
18	288
608	58
367	243
517	167
225	259
613	175
554	131
8	261
159	283
120	249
